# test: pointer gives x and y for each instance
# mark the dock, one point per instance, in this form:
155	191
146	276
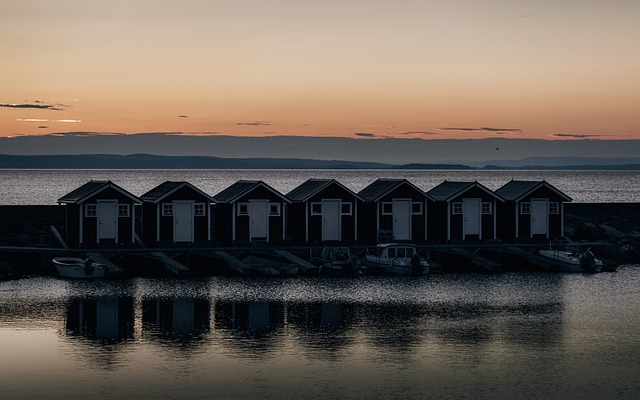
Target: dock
170	264
304	264
476	259
112	268
233	262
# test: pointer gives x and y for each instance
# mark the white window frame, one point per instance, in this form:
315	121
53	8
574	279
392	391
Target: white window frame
167	209
387	208
275	213
124	210
487	208
199	209
525	208
349	207
420	208
316	208
90	210
243	209
554	207
456	207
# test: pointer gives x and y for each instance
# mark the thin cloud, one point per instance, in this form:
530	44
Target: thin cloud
574	135
84	134
31	120
42	126
254	123
418	133
364	134
36	105
183	116
498	131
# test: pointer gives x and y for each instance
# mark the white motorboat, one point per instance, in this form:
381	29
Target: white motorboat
79	268
573	261
397	259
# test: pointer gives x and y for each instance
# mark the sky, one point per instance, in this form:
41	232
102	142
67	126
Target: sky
547	69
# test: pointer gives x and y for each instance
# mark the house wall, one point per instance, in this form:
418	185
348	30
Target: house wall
555	220
90	224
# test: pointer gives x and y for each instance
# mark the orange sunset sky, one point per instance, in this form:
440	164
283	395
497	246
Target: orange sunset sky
352	68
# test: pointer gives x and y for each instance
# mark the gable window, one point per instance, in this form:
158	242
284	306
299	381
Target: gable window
525	208
123	210
487	208
456	207
554	208
387	208
243	208
316	208
416	208
274	209
198	209
90	210
167	209
346	208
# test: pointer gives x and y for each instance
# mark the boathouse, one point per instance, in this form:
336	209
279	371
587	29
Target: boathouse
99	213
322	210
249	212
532	210
463	211
392	210
174	213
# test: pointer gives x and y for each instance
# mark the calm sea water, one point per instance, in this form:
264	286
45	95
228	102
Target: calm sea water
504	336
25	187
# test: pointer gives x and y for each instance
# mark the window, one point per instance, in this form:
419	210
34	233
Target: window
457	207
123	210
387	208
90	210
554	208
346	208
525	208
274	209
243	208
198	209
316	208
167	209
416	208
487	208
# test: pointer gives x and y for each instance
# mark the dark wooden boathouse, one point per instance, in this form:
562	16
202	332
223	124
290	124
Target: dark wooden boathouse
99	213
174	213
392	210
323	210
249	212
533	210
463	211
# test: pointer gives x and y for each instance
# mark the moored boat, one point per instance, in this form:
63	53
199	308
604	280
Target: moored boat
573	261
79	268
336	261
397	259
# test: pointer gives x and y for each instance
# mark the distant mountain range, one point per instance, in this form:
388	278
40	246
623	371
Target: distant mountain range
148	161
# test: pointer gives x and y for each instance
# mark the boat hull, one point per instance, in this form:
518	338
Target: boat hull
376	264
566	261
78	268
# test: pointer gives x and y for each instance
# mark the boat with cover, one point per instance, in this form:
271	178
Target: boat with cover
397	259
79	268
336	261
573	261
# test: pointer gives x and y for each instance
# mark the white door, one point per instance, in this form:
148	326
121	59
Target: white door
331	219
107	213
539	217
183	221
471	213
401	210
259	219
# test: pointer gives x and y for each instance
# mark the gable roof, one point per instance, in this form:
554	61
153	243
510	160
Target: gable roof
517	190
383	186
447	190
313	186
92	188
242	187
165	189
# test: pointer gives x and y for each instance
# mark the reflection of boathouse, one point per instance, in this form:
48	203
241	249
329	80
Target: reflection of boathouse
177	318
104	318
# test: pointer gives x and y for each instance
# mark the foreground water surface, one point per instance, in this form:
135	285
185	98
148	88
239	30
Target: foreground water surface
511	335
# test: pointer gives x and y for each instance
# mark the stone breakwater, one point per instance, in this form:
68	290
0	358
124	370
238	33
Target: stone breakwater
614	224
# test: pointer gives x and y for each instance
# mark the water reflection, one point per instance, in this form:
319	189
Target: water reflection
178	319
101	318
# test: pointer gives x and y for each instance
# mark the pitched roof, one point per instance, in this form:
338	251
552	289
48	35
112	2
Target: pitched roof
516	190
313	186
92	188
382	186
242	187
167	188
447	190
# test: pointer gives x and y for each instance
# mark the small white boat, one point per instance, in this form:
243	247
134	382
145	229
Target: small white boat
572	261
397	259
76	267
